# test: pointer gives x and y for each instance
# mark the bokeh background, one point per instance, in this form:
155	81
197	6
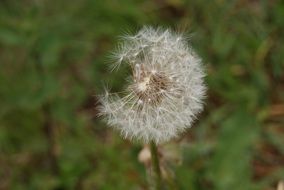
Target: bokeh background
54	60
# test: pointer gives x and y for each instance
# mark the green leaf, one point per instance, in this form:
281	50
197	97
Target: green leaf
230	167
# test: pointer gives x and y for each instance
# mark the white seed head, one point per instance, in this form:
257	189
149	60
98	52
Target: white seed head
166	91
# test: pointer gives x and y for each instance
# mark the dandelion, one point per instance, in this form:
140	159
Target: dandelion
166	89
164	94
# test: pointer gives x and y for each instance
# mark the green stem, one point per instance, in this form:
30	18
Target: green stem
156	165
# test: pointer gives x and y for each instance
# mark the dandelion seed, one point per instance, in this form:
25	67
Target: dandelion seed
166	91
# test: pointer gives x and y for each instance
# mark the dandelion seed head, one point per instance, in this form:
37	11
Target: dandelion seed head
166	89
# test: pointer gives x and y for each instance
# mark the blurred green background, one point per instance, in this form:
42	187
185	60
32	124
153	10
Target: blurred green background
54	61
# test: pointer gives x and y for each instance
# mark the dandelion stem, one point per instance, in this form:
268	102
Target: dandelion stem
156	165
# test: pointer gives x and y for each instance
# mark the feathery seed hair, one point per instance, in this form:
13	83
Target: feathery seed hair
166	89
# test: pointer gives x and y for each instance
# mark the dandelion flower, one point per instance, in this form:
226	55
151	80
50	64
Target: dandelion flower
166	89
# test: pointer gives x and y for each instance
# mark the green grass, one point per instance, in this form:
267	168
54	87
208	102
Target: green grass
54	59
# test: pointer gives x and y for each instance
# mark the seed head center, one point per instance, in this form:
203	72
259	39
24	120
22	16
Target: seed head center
143	85
149	86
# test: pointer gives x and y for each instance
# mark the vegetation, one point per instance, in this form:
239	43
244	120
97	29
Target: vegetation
54	61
